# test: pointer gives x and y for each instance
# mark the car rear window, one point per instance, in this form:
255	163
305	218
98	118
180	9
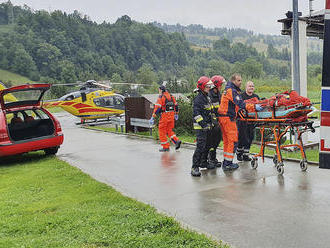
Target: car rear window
23	96
27	115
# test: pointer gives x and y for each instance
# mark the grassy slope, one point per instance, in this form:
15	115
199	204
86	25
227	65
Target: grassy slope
12	78
6	29
44	202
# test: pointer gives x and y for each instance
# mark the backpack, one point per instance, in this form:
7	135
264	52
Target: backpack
169	104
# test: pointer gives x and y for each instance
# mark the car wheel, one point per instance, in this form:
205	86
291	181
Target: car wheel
51	150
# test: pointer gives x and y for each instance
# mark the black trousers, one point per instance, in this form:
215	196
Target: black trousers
245	137
215	139
202	147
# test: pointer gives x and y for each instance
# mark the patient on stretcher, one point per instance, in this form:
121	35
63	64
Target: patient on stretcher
286	105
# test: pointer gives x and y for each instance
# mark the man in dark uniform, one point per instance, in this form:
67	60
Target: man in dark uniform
245	131
215	137
231	102
202	118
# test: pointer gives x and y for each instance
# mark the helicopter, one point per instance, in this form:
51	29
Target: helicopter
8	97
92	101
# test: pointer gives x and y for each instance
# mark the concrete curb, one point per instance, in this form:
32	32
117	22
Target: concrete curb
188	143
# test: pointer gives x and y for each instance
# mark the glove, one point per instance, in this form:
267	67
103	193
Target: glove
215	122
151	121
176	117
258	107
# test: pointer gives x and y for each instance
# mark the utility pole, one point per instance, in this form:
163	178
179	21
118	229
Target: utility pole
295	47
325	105
310	7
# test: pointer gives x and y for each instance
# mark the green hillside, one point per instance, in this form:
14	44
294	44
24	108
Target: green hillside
5	29
11	79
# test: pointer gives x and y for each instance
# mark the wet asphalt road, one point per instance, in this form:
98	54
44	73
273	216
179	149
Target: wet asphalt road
245	208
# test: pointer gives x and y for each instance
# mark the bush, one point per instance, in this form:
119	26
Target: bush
34	76
185	123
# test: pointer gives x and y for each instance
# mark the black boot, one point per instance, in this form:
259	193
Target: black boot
229	166
164	149
195	172
246	158
177	145
215	163
205	164
213	158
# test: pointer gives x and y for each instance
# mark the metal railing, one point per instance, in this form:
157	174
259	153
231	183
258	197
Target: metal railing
137	122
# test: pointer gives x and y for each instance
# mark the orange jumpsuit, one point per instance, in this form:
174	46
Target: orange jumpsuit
231	102
166	121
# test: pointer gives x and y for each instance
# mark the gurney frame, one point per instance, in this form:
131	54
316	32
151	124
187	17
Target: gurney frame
279	128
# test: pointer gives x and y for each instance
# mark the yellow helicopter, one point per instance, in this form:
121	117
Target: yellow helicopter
93	101
8	97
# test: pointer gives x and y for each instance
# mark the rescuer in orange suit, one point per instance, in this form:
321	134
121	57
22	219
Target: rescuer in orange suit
231	102
167	107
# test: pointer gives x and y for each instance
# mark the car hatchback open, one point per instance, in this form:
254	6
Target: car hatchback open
24	125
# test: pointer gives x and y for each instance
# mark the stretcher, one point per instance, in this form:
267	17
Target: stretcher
280	120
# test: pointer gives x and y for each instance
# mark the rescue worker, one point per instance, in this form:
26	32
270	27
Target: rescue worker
215	137
245	131
202	118
231	102
167	107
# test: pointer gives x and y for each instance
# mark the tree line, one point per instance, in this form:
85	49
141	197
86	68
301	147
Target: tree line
61	47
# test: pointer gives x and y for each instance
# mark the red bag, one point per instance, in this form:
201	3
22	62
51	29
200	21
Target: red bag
282	99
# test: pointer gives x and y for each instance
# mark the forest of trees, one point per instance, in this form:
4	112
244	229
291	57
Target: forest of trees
61	47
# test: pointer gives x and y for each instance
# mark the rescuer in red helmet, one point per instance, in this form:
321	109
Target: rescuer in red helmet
167	107
202	117
231	102
215	137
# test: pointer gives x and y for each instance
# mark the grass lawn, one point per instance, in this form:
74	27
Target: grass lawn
44	202
55	109
13	78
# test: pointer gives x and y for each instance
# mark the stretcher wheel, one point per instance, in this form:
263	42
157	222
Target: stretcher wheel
280	168
303	165
254	163
275	160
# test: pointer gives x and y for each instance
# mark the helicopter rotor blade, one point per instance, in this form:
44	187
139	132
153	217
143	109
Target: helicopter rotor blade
67	84
100	83
130	84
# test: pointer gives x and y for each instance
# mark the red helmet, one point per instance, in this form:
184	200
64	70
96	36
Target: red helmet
202	81
217	80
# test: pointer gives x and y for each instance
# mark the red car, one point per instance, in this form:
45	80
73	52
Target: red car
24	125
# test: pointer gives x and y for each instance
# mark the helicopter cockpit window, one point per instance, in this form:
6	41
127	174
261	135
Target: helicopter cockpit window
97	102
119	102
109	101
69	98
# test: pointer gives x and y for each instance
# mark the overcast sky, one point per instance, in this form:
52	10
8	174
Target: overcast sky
259	16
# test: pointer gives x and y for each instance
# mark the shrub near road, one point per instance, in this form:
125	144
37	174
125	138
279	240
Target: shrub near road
44	202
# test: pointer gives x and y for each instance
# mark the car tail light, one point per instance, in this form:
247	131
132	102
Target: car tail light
58	128
4	136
